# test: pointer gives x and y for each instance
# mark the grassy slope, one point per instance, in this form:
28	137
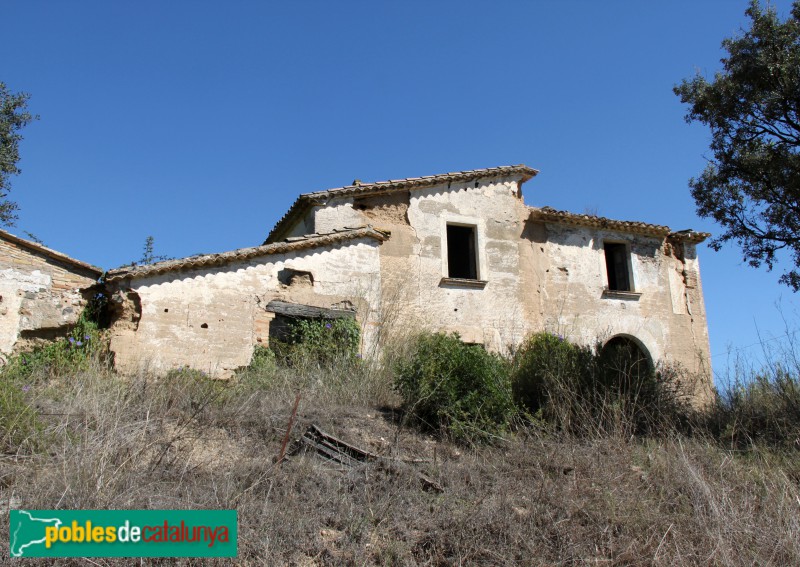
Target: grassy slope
533	499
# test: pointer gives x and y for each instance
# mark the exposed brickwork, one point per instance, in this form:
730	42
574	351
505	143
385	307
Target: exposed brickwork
41	291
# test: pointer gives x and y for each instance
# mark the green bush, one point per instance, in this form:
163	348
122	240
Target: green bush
585	391
454	388
319	341
84	345
549	370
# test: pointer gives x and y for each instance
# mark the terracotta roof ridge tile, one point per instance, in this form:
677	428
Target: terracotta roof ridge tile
54	254
554	215
221	258
306	200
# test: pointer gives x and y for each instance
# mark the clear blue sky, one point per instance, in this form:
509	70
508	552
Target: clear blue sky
200	122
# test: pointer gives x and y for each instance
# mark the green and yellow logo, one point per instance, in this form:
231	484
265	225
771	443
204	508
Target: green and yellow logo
122	533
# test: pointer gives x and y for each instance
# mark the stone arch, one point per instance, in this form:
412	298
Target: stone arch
626	359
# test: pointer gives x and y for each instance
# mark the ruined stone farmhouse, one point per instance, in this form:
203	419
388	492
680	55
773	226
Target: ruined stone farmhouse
456	252
42	292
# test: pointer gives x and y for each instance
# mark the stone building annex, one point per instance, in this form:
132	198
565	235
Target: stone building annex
456	252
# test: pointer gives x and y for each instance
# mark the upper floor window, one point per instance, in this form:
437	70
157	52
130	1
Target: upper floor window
461	252
618	266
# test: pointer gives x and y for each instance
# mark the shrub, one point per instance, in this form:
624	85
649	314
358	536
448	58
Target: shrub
455	388
319	341
260	372
549	368
585	391
83	345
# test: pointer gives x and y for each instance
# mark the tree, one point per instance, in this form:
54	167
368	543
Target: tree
13	117
751	186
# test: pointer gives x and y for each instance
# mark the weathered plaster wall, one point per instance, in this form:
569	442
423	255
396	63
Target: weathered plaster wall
539	276
336	217
534	275
414	260
40	296
494	315
667	318
211	318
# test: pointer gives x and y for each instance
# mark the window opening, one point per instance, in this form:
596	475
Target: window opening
461	261
617	266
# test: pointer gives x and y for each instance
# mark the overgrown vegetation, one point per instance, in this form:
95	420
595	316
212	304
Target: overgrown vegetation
320	342
82	347
554	487
598	391
455	388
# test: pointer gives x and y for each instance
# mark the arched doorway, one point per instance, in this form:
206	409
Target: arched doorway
625	361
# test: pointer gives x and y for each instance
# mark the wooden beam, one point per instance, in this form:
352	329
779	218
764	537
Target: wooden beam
307	311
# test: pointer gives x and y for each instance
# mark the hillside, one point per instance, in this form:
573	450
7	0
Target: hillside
533	497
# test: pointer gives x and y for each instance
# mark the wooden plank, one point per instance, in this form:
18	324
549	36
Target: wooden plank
307	311
338	451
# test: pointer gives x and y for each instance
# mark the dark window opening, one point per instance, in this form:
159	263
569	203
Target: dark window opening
461	261
617	266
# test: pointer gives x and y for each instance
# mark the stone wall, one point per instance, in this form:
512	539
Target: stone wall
211	318
529	275
535	276
42	293
662	314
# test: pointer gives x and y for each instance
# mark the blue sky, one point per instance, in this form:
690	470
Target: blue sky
200	122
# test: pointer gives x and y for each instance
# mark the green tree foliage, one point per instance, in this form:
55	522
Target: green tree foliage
455	388
13	117
752	184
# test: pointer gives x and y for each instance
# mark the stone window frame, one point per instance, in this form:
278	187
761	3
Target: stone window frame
477	225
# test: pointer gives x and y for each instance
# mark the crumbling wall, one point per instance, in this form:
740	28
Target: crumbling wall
211	318
416	290
532	275
41	297
665	311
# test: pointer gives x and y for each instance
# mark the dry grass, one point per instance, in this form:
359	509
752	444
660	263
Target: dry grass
534	499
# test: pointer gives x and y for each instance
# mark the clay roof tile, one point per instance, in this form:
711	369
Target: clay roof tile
307	200
288	245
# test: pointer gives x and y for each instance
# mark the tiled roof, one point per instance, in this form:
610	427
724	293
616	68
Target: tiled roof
635	227
308	200
689	236
49	252
289	245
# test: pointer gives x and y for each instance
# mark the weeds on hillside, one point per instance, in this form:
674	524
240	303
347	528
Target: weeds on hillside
598	392
184	440
759	405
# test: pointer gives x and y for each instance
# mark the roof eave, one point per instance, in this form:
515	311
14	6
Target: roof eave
307	200
689	236
54	254
546	214
241	254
